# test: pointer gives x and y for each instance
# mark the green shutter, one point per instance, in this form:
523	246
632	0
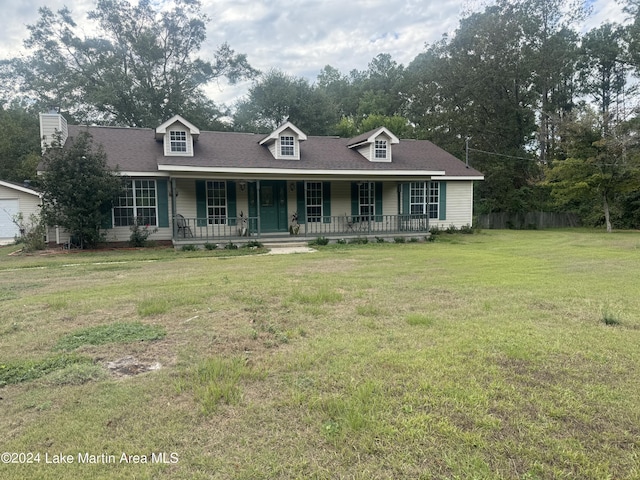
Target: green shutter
406	199
162	191
355	200
107	220
378	201
201	203
326	201
252	190
443	201
301	203
232	210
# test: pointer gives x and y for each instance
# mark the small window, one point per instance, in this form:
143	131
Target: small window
381	149
178	141
287	147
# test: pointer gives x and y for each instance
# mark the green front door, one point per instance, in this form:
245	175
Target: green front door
273	206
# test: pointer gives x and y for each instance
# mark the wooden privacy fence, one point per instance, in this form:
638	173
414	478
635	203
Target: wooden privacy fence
529	220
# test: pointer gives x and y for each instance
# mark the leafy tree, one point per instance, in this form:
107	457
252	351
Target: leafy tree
78	188
141	67
599	171
603	73
277	97
19	144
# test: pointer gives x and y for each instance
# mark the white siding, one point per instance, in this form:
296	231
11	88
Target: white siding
179	127
15	202
459	201
50	123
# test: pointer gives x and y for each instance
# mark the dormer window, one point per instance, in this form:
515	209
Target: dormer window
381	149
287	146
178	141
178	136
284	142
375	145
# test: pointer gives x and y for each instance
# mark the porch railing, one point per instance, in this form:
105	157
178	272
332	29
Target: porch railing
204	229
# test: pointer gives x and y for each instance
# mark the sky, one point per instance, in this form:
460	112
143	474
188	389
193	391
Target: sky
300	37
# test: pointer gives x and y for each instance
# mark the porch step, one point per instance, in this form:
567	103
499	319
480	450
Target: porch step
281	244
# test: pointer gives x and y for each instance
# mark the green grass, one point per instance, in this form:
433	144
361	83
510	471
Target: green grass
500	355
112	333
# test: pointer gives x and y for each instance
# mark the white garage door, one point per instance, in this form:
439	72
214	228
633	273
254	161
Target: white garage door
8	208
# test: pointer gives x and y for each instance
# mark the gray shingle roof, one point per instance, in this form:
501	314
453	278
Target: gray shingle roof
136	150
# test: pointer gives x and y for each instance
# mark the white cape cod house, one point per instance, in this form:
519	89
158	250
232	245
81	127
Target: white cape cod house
200	186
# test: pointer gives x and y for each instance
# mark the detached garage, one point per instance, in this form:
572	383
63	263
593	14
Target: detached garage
15	199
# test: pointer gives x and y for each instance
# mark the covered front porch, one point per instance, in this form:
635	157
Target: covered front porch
194	230
225	210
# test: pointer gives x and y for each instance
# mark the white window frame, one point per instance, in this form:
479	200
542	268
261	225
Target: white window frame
314	202
178	141
424	199
140	205
217	205
366	200
381	149
287	146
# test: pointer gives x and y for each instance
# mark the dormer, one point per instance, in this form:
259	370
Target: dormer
178	136
284	142
375	145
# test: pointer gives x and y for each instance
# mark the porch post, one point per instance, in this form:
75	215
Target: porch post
173	208
258	204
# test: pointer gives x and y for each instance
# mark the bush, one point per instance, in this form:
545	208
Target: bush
435	230
379	240
451	229
189	248
32	234
253	244
210	246
140	233
319	241
230	246
399	239
466	229
359	241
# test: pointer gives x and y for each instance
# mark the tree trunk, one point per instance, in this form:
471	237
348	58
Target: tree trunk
607	218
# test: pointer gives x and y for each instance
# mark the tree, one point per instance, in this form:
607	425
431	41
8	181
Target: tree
140	69
602	70
599	171
19	144
78	188
277	97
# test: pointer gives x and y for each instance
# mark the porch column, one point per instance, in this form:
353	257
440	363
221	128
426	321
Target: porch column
258	204
173	208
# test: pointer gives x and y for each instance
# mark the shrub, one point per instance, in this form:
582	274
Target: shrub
435	230
32	234
466	229
140	233
253	244
189	248
210	246
379	239
451	229
341	241
413	240
359	241
399	239
319	241
230	246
